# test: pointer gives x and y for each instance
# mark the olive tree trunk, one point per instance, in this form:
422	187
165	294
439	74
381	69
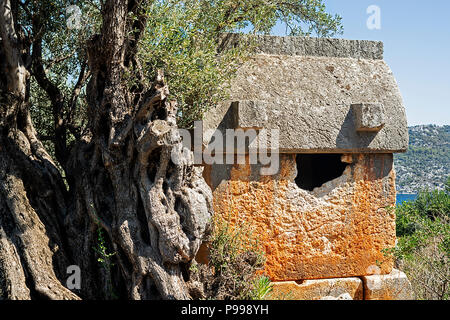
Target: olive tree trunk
32	194
136	210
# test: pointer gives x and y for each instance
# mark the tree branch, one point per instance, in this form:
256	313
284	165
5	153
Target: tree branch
16	71
54	93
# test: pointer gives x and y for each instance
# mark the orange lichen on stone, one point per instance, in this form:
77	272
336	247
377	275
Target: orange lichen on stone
337	230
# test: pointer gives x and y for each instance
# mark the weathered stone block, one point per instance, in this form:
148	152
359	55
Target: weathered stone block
309	46
324	220
344	296
369	117
393	286
250	114
337	230
306	92
326	289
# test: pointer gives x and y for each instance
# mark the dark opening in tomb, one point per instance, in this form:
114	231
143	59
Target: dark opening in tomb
313	170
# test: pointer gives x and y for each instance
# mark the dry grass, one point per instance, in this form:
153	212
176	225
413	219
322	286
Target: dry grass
428	270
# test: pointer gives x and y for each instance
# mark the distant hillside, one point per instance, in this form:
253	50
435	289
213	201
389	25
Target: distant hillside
427	163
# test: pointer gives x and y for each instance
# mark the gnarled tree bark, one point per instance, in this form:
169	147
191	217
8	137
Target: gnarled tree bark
32	205
128	176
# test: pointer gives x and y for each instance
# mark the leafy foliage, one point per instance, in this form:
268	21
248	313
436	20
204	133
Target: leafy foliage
58	95
176	41
262	288
102	251
105	260
423	248
429	206
183	38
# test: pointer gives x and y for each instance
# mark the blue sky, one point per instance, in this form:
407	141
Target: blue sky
416	36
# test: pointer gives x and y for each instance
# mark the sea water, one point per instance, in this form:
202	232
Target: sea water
405	197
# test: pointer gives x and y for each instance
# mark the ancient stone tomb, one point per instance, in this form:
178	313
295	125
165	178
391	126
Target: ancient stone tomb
333	114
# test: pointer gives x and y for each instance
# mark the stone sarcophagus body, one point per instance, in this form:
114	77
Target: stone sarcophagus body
315	123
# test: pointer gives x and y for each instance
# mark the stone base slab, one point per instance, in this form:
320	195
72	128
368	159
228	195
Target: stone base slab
393	286
324	289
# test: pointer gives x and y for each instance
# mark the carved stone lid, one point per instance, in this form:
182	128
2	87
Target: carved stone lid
323	95
307	46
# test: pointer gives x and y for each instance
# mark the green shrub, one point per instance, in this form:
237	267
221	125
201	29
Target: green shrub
423	247
262	287
235	259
